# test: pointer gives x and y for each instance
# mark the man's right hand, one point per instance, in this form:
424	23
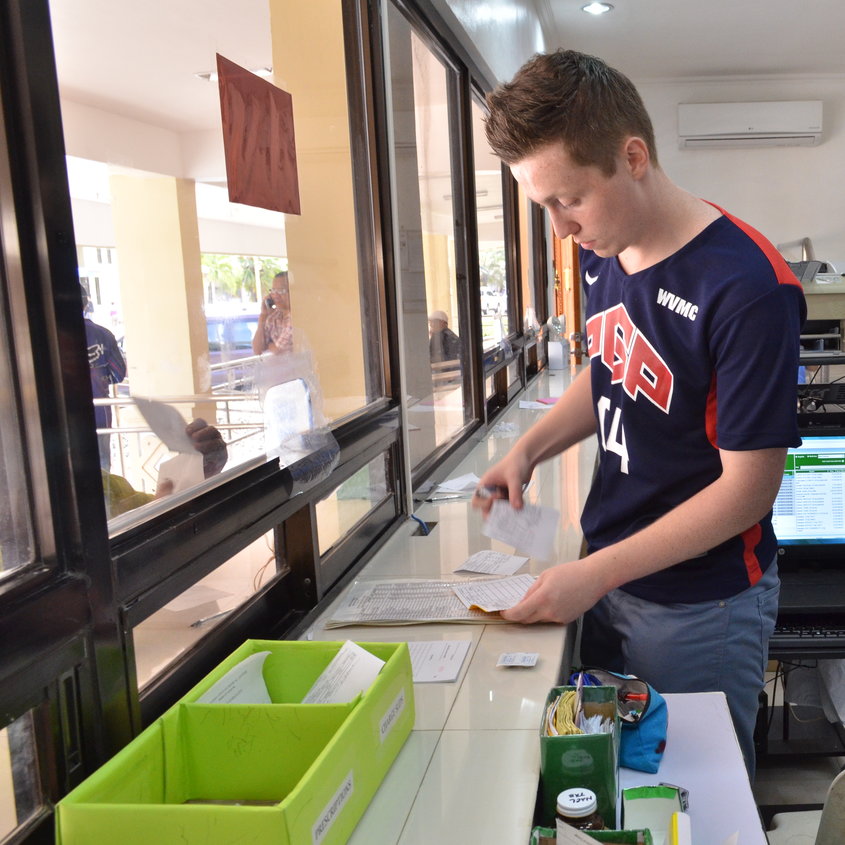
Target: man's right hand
504	480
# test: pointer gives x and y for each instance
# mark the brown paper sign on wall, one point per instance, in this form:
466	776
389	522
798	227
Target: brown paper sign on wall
258	140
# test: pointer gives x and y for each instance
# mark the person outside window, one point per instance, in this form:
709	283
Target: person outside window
108	367
275	330
443	343
692	325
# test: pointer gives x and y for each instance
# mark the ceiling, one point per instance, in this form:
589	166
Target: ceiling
139	59
656	39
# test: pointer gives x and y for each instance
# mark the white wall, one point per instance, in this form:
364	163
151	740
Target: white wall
787	193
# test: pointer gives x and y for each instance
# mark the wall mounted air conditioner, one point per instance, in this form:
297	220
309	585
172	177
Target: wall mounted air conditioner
763	124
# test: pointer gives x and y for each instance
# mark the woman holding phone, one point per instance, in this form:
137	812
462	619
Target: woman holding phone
275	332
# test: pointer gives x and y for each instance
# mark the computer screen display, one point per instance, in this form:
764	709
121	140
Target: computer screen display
810	506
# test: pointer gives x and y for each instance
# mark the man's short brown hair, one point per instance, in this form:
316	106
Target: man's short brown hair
570	97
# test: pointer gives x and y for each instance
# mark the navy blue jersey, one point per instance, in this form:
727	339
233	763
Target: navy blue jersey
694	354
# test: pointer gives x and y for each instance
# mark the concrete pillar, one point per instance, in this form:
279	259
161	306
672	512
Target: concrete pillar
309	63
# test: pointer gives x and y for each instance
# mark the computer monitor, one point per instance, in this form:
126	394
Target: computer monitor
808	516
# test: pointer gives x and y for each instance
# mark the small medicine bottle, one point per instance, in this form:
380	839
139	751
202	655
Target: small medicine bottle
578	808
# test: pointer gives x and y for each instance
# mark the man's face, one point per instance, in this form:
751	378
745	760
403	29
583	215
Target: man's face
435	326
599	211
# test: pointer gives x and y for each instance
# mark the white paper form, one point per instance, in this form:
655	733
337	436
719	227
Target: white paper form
492	563
405	602
532	530
351	672
242	684
495	594
438	661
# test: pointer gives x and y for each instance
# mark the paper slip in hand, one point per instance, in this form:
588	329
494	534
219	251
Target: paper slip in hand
242	684
492	563
532	530
181	472
166	423
496	594
351	672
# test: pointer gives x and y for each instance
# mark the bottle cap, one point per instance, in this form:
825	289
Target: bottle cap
576	803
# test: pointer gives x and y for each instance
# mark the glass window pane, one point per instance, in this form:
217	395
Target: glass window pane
496	320
435	346
193	300
165	635
20	787
349	503
16	532
528	274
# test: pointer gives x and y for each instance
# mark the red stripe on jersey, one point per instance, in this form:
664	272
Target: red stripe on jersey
750	539
711	414
784	275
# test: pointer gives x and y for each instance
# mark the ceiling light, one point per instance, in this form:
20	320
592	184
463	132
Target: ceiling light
211	75
596	8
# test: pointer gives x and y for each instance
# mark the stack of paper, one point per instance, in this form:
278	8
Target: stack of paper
409	602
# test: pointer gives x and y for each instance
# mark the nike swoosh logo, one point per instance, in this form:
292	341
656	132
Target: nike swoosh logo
590	279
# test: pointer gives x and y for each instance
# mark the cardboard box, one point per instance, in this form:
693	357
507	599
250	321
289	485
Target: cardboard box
283	773
652	807
548	836
585	760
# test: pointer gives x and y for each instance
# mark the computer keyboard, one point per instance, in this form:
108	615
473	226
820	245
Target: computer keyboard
811	396
807	637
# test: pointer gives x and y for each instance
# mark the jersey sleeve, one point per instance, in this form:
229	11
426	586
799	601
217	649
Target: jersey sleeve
755	353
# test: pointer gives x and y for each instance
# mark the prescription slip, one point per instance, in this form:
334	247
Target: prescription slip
281	773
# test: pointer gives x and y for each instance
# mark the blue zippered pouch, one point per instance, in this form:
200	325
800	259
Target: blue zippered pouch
642	714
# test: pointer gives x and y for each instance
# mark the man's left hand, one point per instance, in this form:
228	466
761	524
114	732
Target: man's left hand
560	594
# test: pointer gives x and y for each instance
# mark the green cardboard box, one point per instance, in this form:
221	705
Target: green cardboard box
283	773
585	760
548	836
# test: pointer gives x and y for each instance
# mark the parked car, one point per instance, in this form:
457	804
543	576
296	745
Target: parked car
229	340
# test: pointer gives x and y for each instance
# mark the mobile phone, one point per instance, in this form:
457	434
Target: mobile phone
269	302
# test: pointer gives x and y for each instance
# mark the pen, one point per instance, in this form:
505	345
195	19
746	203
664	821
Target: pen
635	696
205	619
489	492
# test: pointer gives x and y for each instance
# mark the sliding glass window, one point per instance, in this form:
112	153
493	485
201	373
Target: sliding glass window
247	325
436	353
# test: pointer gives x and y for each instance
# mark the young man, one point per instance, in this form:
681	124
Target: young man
693	324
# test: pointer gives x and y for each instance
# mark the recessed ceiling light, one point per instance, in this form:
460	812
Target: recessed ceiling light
596	8
211	75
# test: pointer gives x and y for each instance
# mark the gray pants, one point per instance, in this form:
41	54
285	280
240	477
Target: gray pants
701	647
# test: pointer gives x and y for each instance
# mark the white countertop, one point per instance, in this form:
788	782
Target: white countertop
469	770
